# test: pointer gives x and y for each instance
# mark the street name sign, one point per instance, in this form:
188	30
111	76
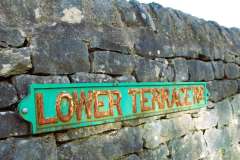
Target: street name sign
52	107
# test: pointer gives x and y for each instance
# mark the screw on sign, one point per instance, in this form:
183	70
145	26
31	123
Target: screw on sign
51	107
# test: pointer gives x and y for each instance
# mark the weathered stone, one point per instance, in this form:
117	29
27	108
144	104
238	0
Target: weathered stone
200	71
181	69
224	112
231	153
128	13
29	148
159	132
167	73
150	44
235	102
12	125
160	153
137	122
8	94
15	61
218	68
22	82
90	77
109	146
86	131
126	78
148	70
232	71
221	89
217	139
131	157
229	58
145	15
10	37
206	119
189	147
58	52
112	63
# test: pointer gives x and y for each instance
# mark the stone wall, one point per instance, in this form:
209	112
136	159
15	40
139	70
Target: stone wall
72	41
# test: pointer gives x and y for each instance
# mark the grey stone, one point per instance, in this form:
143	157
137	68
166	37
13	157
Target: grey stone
15	61
90	77
148	70
200	71
128	13
232	71
86	131
159	132
145	15
217	139
181	69
108	146
220	89
126	78
229	58
112	63
206	119
160	153
29	148
231	153
131	157
12	125
10	37
22	82
152	45
218	68
224	111
167	73
235	102
189	147
8	94
58	52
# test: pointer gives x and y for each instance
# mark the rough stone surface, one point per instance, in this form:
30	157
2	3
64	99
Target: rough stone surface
126	78
217	139
224	111
9	90
22	82
189	147
131	157
90	77
206	119
12	125
218	68
221	89
156	133
10	37
110	146
112	63
232	71
181	69
86	131
159	153
144	67
29	148
15	61
200	71
59	53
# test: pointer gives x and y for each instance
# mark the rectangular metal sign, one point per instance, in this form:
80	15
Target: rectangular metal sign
51	107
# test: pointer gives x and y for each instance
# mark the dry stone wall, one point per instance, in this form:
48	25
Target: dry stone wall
73	41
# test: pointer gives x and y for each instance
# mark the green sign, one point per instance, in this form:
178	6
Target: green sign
51	107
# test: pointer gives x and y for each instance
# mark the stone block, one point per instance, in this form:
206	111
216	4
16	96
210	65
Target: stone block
112	63
200	71
181	69
232	71
8	94
218	68
90	77
109	146
29	148
15	61
22	82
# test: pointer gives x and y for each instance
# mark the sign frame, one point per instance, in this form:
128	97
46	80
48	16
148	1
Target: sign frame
27	106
